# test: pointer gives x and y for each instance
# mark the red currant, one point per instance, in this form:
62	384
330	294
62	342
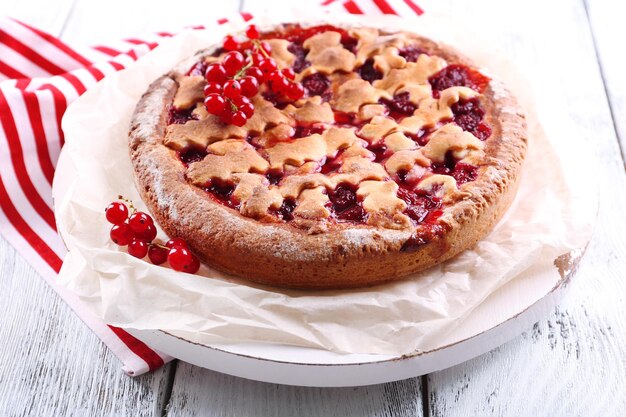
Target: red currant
233	62
176	242
247	109
139	222
239	118
214	103
256	73
148	235
181	259
252	32
116	213
275	76
138	248
232	89
289	74
240	100
257	57
227	115
230	44
280	85
267	66
215	73
295	91
194	265
121	234
249	86
212	88
157	254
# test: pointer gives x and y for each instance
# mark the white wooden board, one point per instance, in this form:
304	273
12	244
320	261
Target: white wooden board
51	364
570	364
573	363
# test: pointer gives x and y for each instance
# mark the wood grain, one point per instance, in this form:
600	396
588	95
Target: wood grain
96	23
607	24
51	364
572	363
200	392
41	14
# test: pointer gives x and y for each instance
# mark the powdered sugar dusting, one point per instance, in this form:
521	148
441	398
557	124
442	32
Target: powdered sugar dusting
164	199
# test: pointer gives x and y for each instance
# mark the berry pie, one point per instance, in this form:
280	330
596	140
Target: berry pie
326	157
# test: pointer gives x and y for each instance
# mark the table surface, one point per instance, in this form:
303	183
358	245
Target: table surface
571	363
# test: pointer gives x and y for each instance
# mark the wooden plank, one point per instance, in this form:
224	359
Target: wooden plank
51	364
607	25
100	22
45	15
200	392
571	363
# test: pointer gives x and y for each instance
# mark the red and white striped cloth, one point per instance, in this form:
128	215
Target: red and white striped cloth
39	77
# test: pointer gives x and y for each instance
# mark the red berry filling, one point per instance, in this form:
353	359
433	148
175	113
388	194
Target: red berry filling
298	34
457	75
411	53
421	137
368	72
345	204
400	106
191	154
331	164
199	68
468	114
222	192
300	63
274	177
179	117
285	212
316	84
279	101
460	171
342	118
302	131
379	150
421	206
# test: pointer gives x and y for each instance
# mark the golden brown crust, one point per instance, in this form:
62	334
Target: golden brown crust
279	254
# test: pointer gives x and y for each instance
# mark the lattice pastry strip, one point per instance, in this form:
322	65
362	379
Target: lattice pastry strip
327	54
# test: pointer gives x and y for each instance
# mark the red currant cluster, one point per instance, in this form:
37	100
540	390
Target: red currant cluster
138	232
233	81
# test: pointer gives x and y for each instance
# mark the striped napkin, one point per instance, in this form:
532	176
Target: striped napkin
39	77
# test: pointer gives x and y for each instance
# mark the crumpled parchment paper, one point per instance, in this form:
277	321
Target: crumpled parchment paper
551	216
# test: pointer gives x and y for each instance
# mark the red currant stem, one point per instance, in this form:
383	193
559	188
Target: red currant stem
233	106
129	202
243	69
258	47
158	245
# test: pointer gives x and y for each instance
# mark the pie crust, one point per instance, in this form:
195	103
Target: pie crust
407	157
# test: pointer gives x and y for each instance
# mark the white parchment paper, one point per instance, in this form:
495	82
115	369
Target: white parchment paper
553	214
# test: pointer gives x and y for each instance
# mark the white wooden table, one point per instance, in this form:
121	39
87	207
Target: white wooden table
572	363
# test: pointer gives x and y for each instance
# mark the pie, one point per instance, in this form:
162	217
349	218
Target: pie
399	154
